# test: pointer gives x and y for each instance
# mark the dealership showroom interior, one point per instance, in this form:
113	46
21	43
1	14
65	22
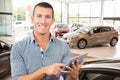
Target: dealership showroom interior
88	27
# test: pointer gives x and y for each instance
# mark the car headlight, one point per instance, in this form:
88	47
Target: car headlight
74	37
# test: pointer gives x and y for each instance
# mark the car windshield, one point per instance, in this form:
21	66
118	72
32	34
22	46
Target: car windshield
61	26
77	25
4	47
83	29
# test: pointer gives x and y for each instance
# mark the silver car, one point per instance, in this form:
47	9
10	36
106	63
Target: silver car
108	69
91	36
76	26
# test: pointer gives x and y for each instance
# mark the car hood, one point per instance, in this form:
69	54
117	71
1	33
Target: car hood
107	63
8	40
70	34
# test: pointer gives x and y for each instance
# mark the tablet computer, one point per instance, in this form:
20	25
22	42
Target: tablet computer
69	62
79	58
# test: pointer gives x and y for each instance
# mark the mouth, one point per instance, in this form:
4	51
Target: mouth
42	27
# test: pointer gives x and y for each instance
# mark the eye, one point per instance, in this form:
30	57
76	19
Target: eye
39	15
48	16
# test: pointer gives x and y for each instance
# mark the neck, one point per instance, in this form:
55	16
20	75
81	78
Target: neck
41	37
42	40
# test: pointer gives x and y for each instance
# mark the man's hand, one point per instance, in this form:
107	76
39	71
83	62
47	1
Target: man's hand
74	70
53	69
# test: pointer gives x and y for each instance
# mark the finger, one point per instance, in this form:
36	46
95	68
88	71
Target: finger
61	64
55	72
73	65
58	69
77	62
64	71
81	64
69	68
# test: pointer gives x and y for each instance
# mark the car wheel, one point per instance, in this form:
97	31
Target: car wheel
113	41
82	44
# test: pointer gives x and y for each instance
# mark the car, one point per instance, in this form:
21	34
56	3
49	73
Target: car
91	36
4	58
29	27
106	69
60	29
76	26
19	23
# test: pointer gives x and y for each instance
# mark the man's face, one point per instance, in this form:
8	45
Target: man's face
42	20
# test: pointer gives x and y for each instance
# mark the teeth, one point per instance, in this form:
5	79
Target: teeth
42	27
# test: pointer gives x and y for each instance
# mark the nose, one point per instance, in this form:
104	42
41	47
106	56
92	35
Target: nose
43	20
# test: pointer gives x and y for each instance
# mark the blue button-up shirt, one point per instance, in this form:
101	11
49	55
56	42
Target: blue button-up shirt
26	56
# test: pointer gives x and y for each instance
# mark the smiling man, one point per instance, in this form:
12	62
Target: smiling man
40	56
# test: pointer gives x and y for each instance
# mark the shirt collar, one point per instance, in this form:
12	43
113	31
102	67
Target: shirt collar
33	38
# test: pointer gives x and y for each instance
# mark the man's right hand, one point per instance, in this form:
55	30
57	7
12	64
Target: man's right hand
53	69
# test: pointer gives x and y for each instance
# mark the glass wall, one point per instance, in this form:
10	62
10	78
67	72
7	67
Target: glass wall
87	12
95	12
112	12
73	13
84	12
6	18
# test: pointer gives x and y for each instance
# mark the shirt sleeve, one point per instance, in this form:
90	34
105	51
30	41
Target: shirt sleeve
67	54
17	62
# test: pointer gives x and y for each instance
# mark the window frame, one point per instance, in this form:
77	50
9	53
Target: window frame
107	71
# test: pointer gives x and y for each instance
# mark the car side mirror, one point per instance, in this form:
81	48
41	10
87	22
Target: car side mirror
90	32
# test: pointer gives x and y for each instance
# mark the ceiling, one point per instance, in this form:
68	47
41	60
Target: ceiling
79	1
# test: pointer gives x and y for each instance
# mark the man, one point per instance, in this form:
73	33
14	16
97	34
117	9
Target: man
40	56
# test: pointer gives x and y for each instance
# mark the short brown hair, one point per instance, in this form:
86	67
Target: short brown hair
45	5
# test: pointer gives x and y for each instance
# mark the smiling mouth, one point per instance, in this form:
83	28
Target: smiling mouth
42	27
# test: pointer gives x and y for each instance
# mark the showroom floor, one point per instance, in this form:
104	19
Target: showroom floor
97	52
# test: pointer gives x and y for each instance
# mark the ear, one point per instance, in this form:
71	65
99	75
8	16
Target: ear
53	21
32	19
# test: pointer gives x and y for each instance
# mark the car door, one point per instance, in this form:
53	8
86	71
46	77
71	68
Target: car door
95	37
99	74
4	59
106	34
